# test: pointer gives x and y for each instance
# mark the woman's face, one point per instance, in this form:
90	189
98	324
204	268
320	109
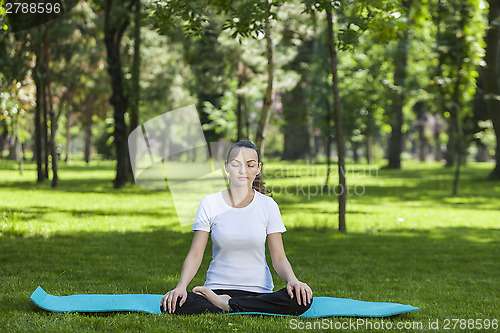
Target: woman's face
243	166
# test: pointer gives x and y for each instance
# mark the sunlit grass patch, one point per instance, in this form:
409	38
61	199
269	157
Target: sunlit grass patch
409	241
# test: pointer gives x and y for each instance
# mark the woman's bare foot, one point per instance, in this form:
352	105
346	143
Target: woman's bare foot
220	301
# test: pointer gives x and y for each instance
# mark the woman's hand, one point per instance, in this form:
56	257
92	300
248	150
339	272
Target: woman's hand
169	300
302	290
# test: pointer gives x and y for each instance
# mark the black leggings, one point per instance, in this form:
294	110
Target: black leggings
278	302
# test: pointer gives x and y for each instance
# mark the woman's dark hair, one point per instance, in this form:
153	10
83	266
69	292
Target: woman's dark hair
258	183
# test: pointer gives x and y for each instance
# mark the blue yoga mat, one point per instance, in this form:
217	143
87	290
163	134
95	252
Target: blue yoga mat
321	306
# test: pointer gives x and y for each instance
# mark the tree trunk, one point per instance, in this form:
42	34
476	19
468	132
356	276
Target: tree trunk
113	34
136	71
354	148
3	136
243	126
68	129
50	110
423	143
457	107
368	148
338	121
296	134
482	152
40	97
370	131
328	141
19	150
398	101
44	151
451	146
246	119
295	116
213	98
399	96
295	102
313	49
45	135
265	114
449	154
88	134
491	74
11	144
458	128
239	116
438	156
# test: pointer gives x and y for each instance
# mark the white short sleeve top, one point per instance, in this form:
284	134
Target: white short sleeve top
238	241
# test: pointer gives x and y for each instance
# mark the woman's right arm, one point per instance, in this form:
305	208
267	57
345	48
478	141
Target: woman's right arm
189	269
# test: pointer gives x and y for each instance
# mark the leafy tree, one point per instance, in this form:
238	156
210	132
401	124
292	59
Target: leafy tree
358	17
59	76
459	30
242	18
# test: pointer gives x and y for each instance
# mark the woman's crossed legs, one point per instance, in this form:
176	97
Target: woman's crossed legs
203	299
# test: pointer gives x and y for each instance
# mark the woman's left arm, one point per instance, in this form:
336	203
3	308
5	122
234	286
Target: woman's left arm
284	269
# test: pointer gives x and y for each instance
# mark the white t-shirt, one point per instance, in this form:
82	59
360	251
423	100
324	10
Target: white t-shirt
239	239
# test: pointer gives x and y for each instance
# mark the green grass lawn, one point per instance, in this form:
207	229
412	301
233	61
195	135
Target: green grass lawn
408	242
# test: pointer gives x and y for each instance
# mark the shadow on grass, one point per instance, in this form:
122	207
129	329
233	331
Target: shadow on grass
36	213
409	185
80	185
445	266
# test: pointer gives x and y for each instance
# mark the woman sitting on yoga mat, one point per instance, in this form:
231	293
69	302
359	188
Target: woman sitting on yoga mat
240	219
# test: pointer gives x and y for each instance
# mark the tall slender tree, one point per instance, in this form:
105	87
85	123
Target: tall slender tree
116	20
491	76
398	100
136	70
339	136
50	107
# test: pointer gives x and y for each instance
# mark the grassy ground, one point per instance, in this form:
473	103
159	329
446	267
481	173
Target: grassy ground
408	242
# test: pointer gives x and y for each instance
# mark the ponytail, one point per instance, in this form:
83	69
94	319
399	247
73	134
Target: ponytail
260	185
